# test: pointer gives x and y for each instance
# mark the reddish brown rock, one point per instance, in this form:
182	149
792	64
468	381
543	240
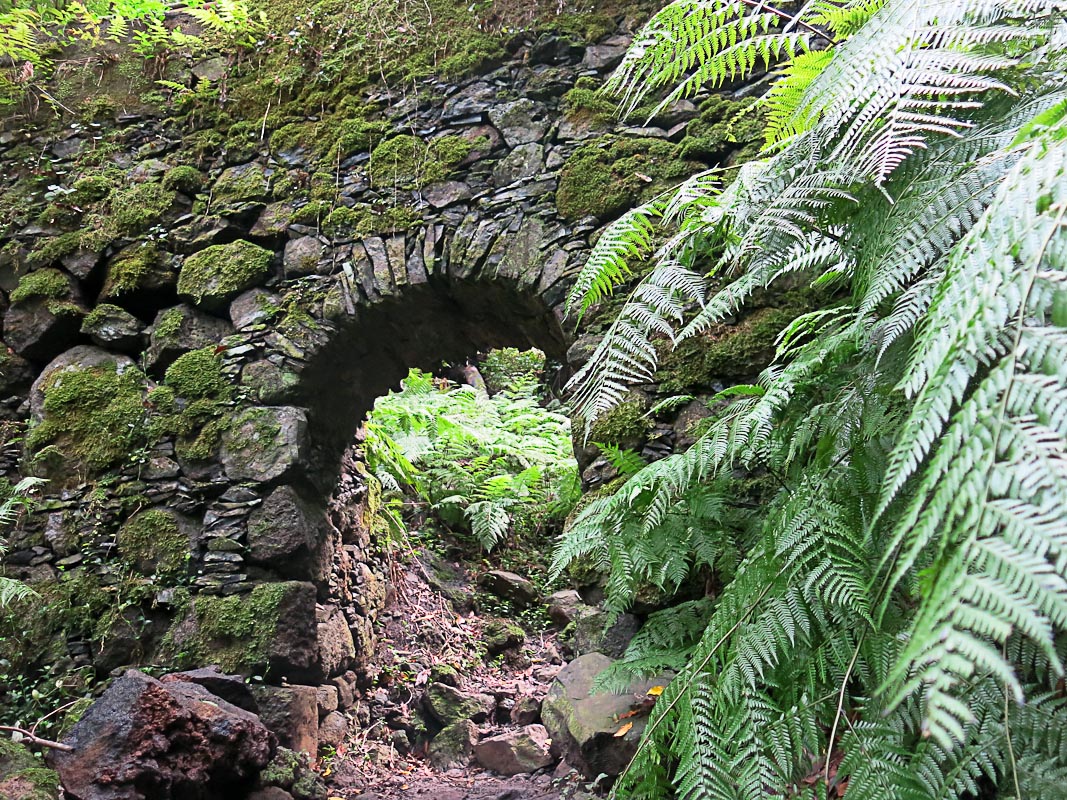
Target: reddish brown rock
146	740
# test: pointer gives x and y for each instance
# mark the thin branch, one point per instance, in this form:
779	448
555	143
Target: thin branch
37	740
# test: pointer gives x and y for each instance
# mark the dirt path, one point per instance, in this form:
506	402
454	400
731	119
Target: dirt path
435	628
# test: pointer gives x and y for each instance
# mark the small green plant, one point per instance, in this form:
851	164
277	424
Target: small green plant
19	500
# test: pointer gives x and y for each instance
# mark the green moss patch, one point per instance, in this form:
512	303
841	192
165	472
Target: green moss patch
140	206
625	425
584	104
23	776
407	161
725	130
94	416
46	284
52	249
727	352
197	375
606	176
134	268
236	632
152	543
362	220
185	179
220	272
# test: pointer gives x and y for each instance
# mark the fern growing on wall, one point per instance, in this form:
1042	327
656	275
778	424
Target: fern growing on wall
895	625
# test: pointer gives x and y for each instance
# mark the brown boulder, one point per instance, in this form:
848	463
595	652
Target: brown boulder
146	739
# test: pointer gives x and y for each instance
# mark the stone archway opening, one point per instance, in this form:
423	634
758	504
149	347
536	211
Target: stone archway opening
314	531
421	327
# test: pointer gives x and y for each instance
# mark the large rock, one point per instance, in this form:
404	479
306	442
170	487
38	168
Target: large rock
523	750
115	328
264	443
510	586
179	329
449	704
77	358
272	628
147	739
337	650
38	329
231	688
453	747
302	256
292	714
602	632
584	725
217	274
285	532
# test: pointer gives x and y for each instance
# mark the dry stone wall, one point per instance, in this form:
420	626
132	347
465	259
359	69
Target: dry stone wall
189	363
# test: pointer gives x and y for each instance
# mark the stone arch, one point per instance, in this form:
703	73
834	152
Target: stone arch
310	373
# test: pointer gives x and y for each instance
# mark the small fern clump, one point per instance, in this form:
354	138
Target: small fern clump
487	465
891	621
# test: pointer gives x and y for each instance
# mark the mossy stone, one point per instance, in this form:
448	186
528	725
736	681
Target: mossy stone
240	185
219	273
153	543
198	374
139	267
93	415
185	179
606	176
500	635
625	425
24	777
726	353
139	207
49	284
273	625
406	161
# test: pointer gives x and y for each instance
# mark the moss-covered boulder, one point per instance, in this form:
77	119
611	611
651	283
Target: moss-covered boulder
45	314
178	330
137	269
23	776
449	704
625	425
241	186
725	131
89	413
217	274
584	725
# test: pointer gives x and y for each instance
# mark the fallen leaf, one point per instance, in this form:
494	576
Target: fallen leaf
625	729
655	691
643	177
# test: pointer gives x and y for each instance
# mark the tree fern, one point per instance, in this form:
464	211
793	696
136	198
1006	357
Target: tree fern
892	615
